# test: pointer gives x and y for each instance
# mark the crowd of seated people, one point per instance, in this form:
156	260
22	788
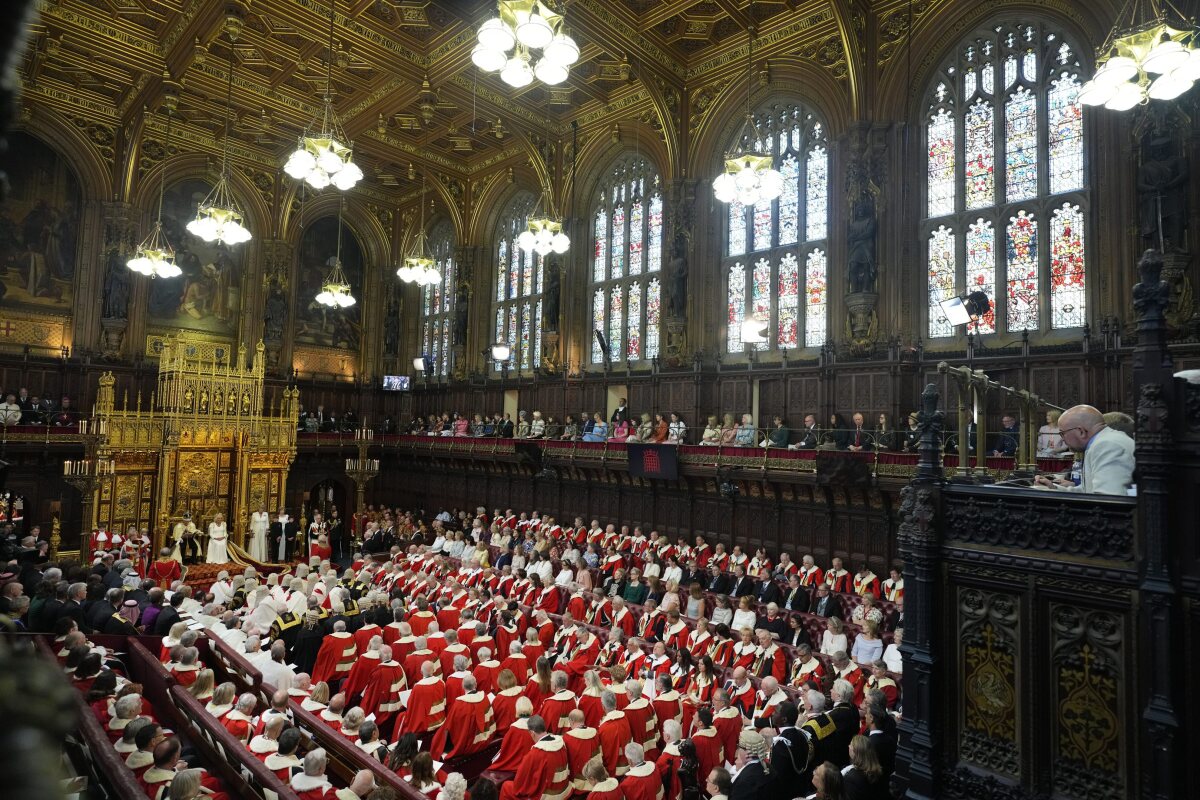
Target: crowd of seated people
542	650
22	408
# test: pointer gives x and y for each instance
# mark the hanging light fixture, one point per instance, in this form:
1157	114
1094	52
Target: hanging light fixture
522	26
154	257
323	155
750	176
218	217
543	232
1143	44
335	292
419	266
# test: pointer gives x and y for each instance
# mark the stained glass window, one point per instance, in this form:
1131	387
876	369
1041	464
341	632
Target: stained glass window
737	306
1022	270
1067	298
437	301
985	109
1020	145
941	279
815	293
518	290
981	269
782	234
789	301
653	317
627	258
941	163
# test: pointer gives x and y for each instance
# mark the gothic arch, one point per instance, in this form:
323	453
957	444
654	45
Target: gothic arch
95	179
601	152
937	34
494	202
826	96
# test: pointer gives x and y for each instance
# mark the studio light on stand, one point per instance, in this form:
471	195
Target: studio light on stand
1141	45
965	309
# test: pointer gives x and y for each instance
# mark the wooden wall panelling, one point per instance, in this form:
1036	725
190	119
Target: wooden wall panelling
734	396
772	400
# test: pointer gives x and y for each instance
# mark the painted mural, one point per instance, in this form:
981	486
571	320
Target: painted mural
208	295
39	227
316	324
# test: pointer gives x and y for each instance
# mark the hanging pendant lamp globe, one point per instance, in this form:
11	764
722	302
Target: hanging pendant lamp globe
525	25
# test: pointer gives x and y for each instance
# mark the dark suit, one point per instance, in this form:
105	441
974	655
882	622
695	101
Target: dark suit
98	614
166	618
505	431
797	637
768	592
744	587
859	788
828	606
620	415
845	717
796	599
44	621
1006	441
112	579
752	783
777	626
912	439
719	584
72	610
809	437
288	531
861	436
894	620
885	749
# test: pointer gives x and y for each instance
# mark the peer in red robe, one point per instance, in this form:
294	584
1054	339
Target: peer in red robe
729	723
642	782
485	675
469	727
518	664
419	621
615	733
504	706
583	744
555	708
544	773
513	747
414	660
642	722
710	750
381	696
356	681
426	707
446	657
164	572
336	657
363	636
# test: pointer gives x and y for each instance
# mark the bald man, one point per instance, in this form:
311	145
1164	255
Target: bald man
1107	453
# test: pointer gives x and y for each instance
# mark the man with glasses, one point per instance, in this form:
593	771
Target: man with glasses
1107	453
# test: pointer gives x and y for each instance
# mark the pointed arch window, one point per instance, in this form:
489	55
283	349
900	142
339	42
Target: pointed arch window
437	302
626	262
1005	181
775	266
517	296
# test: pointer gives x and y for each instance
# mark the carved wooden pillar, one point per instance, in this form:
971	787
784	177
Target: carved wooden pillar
680	275
919	754
277	259
120	230
461	326
1162	760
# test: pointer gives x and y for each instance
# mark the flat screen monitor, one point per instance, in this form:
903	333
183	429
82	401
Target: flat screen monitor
396	383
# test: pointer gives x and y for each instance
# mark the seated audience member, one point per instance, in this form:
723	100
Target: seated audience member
1049	441
834	639
863	777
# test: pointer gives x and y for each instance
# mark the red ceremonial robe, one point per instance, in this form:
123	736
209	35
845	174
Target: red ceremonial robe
554	710
742	698
356	681
583	744
728	722
284	767
238	724
419	622
667	767
485	675
518	665
413	662
606	790
336	657
504	706
426	707
668	705
642	722
771	662
615	733
513	747
543	774
449	652
710	750
468	729
381	696
589	704
642	783
362	636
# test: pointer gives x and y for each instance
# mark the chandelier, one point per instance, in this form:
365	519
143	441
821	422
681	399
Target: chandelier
522	26
323	154
544	232
419	266
154	256
335	291
750	176
1143	44
218	217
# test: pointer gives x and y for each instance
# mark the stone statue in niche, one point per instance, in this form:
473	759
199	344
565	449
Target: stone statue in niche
861	237
553	292
462	310
116	288
1162	191
275	319
677	268
391	328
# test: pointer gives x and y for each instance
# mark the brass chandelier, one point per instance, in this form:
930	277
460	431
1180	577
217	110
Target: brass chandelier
1141	44
419	266
155	257
335	291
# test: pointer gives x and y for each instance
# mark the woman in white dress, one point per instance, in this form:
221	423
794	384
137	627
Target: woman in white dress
260	522
218	541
